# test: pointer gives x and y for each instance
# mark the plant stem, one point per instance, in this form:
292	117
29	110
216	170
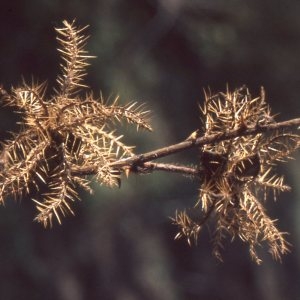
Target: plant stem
138	163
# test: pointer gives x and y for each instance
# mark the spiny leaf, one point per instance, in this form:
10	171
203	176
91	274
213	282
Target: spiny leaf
63	132
235	170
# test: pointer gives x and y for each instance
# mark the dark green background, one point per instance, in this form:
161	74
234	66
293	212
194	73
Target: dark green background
120	244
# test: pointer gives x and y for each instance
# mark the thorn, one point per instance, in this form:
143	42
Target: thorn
177	236
126	171
193	136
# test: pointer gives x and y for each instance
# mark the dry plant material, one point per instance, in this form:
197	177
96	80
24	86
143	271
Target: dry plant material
70	135
237	174
64	132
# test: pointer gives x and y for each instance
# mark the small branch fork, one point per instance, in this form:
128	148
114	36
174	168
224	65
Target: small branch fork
142	163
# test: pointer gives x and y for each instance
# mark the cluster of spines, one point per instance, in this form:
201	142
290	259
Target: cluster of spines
74	55
63	133
235	172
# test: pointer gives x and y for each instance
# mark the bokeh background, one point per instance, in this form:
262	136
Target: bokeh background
120	245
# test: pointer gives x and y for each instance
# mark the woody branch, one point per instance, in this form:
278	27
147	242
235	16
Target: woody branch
142	163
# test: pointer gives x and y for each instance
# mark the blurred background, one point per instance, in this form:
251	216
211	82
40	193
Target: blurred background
120	245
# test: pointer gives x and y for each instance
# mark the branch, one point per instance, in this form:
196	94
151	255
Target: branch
138	163
148	167
144	168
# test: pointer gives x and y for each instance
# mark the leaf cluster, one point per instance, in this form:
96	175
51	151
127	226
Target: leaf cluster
236	172
67	131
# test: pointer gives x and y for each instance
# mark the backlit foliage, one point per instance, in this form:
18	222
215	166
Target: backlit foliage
237	175
63	132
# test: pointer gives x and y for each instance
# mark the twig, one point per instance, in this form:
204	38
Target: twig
150	166
138	163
